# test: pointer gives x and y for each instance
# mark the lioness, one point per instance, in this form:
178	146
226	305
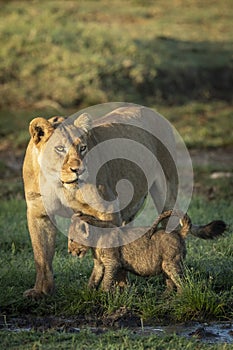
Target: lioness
54	171
155	252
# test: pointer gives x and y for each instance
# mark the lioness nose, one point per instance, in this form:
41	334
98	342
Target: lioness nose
74	165
75	169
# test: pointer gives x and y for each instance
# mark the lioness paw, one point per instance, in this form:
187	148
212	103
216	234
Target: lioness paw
34	294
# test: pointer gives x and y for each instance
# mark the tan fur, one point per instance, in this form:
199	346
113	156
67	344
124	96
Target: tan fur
62	187
53	176
155	252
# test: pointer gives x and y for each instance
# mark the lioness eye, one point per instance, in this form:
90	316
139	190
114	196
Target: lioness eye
60	148
83	148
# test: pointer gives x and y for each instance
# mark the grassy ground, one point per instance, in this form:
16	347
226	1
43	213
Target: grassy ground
111	341
209	275
207	293
56	57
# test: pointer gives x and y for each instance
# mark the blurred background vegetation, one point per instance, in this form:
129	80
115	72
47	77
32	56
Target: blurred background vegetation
61	55
57	57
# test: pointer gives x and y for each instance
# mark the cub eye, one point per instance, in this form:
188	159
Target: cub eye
60	148
82	148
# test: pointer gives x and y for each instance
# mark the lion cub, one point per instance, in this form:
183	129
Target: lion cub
155	252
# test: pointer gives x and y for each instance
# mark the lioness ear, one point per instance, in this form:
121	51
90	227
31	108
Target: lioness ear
40	129
56	121
84	122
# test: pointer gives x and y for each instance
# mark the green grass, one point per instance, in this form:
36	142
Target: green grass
84	340
209	265
201	125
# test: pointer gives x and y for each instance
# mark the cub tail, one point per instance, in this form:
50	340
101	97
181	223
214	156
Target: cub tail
184	221
186	224
209	231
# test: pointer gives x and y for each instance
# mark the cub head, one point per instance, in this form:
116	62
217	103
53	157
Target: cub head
77	237
60	147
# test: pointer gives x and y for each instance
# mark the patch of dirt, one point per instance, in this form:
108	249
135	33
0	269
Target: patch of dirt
12	162
220	157
122	317
200	157
214	332
118	319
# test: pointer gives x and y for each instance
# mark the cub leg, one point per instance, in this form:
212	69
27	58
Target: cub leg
170	286
174	272
111	274
96	275
109	278
121	279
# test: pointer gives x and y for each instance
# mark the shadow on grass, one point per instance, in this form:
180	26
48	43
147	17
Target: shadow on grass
171	70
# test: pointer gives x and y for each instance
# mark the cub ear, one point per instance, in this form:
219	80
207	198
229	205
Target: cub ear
40	130
78	228
75	216
84	122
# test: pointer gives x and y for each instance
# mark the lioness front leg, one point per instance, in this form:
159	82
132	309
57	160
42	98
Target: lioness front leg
43	235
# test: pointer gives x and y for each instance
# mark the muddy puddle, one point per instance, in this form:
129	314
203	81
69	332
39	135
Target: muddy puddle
213	332
207	332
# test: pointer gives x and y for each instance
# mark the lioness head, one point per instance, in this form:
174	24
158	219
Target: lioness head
60	147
